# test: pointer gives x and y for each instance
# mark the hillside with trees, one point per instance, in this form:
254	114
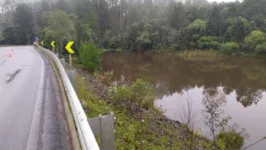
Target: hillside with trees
139	25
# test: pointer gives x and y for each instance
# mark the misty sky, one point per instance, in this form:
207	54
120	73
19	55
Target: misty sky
222	0
1	1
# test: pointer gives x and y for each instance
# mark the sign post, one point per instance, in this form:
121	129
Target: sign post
70	51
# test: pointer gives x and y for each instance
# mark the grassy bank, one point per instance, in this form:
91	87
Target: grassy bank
137	126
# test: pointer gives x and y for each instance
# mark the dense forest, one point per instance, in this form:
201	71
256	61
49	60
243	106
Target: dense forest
139	25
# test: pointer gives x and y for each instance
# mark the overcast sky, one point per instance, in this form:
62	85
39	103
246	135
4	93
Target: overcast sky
223	0
1	1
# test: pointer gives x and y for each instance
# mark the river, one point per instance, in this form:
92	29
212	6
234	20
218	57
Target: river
179	82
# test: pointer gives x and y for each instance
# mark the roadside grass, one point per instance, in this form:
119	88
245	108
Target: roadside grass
135	127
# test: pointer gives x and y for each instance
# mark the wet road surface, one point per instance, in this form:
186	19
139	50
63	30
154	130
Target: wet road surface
31	114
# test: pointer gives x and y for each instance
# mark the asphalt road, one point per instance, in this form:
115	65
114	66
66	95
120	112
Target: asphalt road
31	115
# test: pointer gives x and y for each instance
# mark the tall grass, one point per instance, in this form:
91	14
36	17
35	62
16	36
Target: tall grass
199	55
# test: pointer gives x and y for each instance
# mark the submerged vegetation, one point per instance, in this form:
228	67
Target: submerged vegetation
198	54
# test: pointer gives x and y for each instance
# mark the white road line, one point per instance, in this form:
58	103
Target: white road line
32	143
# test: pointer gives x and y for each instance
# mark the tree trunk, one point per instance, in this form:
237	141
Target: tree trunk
28	38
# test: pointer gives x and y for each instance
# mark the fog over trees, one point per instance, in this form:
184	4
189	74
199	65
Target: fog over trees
139	24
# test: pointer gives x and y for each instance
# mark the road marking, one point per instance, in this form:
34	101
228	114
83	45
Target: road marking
34	136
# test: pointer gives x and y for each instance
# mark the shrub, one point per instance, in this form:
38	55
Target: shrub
114	43
121	93
140	92
144	41
261	48
90	56
230	140
230	47
143	93
256	37
208	42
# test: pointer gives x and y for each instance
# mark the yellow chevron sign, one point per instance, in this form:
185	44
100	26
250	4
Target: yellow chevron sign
53	43
68	47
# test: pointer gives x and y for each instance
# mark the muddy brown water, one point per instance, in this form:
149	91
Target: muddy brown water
181	81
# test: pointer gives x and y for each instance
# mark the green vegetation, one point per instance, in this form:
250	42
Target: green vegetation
140	92
230	47
138	124
235	27
57	27
131	132
230	140
197	54
89	56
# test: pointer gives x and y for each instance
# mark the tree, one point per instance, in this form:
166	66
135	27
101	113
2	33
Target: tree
10	36
176	14
24	23
216	22
261	48
208	42
255	38
197	27
194	31
238	29
214	100
59	27
144	42
84	32
102	12
90	56
230	47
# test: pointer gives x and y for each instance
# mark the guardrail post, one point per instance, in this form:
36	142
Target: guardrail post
72	75
103	126
63	62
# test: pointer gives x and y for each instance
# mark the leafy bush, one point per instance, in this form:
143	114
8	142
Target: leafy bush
230	140
261	48
140	92
208	42
255	38
114	43
121	93
144	41
143	93
230	47
90	56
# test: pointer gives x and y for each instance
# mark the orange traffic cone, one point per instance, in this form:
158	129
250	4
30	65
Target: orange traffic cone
9	55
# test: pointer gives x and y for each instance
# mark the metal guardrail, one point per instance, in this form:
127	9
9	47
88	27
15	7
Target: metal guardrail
86	136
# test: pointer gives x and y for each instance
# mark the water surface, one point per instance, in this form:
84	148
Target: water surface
179	81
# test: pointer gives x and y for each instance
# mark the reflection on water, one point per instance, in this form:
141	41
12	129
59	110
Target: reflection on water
243	80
